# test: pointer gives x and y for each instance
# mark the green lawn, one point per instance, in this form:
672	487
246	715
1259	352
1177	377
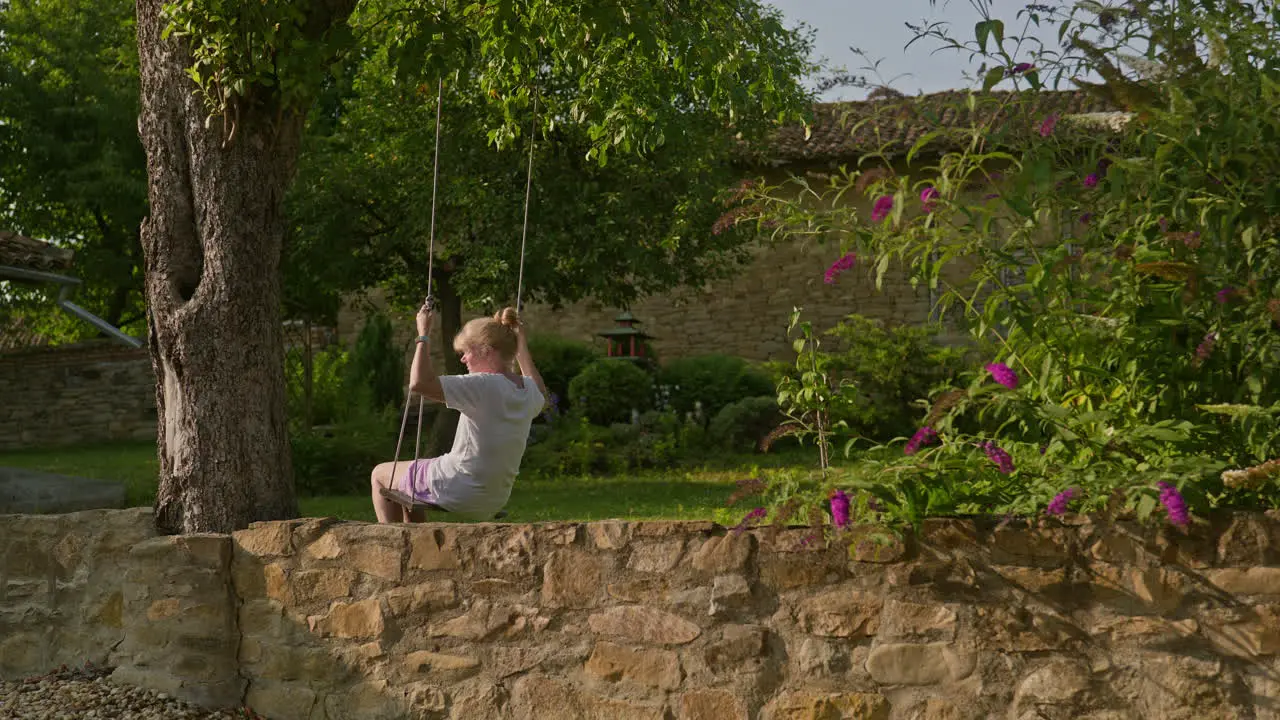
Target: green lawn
676	494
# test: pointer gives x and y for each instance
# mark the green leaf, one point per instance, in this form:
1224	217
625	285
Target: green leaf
992	78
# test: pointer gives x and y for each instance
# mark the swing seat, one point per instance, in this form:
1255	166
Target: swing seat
412	506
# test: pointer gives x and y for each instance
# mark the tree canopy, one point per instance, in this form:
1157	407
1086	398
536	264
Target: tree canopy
71	167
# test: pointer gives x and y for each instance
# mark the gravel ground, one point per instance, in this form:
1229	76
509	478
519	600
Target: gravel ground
86	693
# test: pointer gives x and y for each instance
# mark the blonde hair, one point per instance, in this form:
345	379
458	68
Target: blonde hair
497	332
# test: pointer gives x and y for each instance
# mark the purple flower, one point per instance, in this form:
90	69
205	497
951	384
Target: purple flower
1191	239
1020	68
1205	348
997	455
928	196
1050	122
1060	502
924	436
883	205
1225	294
1091	180
1104	164
991	196
756	514
1085	218
1163	222
845	262
1174	505
839	509
1003	374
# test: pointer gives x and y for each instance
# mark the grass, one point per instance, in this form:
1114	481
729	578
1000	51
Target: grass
674	494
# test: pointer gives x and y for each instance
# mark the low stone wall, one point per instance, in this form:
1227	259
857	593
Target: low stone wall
322	619
61	595
93	392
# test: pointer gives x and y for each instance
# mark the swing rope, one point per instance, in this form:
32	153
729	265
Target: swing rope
528	188
430	301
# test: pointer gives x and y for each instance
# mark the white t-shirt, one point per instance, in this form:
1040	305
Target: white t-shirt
474	479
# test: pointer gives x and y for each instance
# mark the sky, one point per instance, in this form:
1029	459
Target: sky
878	28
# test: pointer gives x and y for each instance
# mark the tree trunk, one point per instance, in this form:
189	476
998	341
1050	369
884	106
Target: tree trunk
211	248
440	439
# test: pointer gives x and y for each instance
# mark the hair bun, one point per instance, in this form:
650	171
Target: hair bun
508	317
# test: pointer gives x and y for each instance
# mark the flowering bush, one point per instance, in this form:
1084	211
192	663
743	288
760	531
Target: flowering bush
1121	276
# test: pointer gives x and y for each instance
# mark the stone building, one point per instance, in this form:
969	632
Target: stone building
747	314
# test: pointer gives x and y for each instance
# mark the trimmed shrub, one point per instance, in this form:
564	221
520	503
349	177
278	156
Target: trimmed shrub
743	424
713	381
559	361
606	391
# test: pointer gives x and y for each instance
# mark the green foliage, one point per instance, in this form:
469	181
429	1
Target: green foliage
884	373
559	361
710	382
73	168
741	425
377	363
608	390
1121	283
331	394
338	459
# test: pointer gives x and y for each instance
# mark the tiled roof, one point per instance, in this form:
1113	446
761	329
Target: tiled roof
847	131
24	252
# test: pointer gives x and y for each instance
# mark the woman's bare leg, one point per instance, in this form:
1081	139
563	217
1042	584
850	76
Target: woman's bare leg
386	510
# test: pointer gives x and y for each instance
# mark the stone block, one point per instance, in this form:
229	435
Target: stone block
659	557
609	534
572	578
281	699
644	624
266	539
432	548
724	553
1043	547
1248	540
915	621
737	649
363	619
1243	632
844	612
711	705
1055	686
788	571
1246	581
441	667
480	622
403	602
827	706
539	696
729	594
919	663
321	586
509	553
641	666
1021	629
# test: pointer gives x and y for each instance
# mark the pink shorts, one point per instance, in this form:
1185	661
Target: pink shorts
414	482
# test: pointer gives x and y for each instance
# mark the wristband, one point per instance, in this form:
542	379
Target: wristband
424	339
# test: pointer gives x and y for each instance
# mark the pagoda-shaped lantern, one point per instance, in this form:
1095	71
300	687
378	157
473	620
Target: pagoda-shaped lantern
626	340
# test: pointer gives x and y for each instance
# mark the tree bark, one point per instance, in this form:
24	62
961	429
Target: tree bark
211	248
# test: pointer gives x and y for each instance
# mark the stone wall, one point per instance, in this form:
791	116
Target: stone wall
72	394
320	619
61	595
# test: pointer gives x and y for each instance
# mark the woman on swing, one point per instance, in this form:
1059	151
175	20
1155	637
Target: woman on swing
474	478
